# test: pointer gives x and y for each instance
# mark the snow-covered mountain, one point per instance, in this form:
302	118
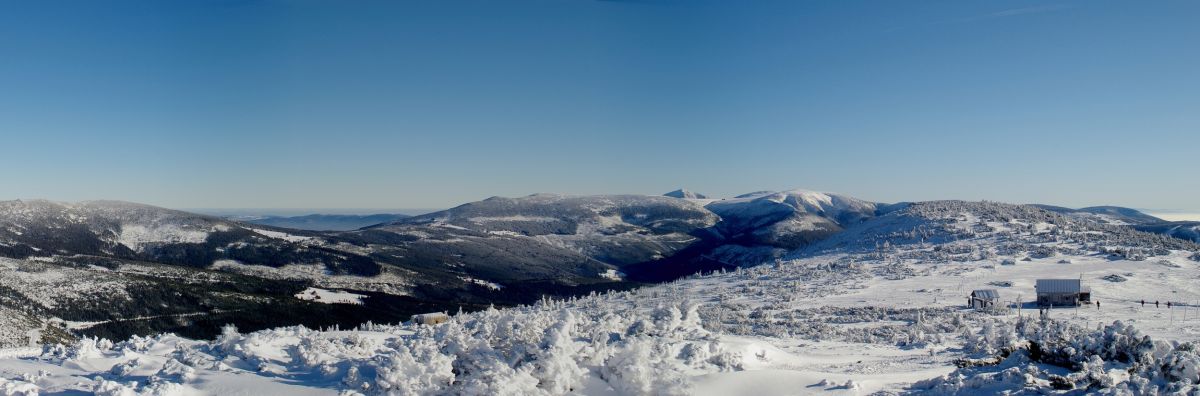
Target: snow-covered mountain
788	219
944	221
1107	214
647	238
129	231
66	258
114	269
1189	230
550	235
878	307
684	193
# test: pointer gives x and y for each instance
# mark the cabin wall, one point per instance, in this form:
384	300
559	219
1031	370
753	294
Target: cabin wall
1058	299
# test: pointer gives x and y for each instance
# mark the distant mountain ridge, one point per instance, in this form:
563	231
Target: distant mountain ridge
1108	214
647	238
1189	230
1186	230
325	222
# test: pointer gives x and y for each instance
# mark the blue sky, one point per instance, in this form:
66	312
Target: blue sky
314	104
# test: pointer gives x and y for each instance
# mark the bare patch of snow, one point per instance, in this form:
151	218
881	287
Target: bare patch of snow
330	296
282	235
135	236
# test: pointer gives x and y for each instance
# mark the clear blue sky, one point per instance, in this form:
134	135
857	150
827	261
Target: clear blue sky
361	104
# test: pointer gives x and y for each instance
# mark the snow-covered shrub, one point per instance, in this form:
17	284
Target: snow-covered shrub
17	388
555	366
641	367
175	371
416	368
87	348
132	388
227	341
994	337
124	369
1090	355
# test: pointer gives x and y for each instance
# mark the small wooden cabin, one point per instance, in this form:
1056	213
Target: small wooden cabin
1062	292
983	298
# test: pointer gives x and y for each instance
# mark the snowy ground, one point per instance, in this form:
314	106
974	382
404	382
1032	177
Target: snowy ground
818	346
827	324
1148	280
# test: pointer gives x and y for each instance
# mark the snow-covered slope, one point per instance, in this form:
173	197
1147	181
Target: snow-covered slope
874	306
1189	230
995	225
789	219
1115	215
886	314
574	238
130	231
116	268
650	238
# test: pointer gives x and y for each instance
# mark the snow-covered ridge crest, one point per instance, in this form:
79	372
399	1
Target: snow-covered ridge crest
129	224
789	219
831	205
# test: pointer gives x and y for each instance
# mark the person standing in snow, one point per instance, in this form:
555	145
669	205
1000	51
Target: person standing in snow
1168	305
1156	304
1097	305
1143	303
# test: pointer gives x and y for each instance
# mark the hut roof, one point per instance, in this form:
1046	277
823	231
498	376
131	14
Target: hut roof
986	293
1058	286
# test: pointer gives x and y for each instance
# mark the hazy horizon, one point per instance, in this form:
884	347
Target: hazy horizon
1169	214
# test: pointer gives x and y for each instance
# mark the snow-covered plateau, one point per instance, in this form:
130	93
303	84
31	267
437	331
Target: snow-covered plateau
877	308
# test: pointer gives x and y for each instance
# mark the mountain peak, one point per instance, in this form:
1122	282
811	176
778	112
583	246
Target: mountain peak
685	194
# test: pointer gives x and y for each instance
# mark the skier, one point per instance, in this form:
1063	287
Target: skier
1155	304
1143	303
1168	305
1097	305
